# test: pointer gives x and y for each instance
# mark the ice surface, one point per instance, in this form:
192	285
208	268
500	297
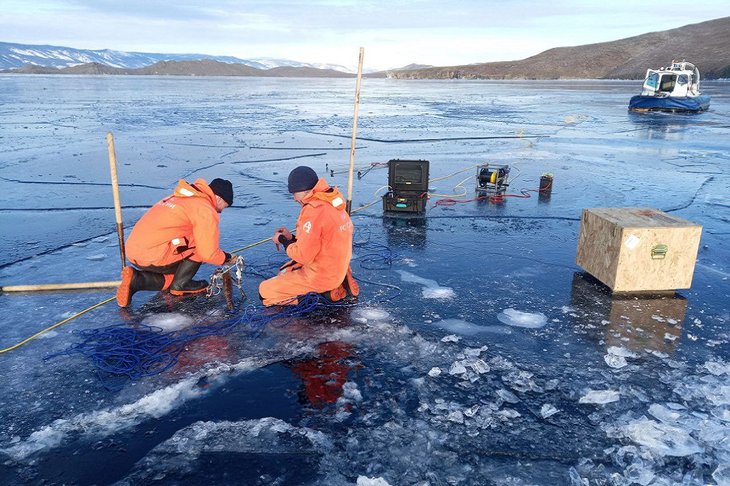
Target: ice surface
387	417
515	318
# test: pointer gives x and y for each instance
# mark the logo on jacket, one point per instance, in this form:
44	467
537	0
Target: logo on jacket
307	227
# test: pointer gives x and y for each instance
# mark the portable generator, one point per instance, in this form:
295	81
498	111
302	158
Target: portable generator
407	186
491	180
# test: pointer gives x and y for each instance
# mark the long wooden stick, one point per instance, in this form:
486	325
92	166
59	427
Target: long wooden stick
354	130
115	192
62	286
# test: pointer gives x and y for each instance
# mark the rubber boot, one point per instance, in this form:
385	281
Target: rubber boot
134	280
183	282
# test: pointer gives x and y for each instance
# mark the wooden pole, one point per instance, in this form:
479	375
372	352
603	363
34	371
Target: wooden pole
354	131
115	192
63	286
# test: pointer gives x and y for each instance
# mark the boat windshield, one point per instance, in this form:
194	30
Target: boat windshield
652	80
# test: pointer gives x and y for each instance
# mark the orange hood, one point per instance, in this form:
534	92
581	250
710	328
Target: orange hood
323	192
199	188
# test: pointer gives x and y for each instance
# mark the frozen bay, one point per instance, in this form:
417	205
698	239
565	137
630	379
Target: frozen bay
609	390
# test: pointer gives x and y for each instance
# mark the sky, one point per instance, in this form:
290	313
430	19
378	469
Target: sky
394	33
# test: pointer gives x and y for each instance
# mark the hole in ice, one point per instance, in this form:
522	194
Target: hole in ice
530	320
365	315
168	321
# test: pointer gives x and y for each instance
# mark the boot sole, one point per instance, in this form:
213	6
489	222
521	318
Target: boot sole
188	292
123	291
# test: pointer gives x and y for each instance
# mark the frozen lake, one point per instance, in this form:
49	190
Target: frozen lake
481	354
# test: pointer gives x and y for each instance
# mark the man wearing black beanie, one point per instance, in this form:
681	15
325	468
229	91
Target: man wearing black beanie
322	248
174	237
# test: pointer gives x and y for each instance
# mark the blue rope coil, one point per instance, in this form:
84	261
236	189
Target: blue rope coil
123	352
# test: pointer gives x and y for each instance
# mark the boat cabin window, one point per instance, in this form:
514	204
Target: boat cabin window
652	81
667	83
682	79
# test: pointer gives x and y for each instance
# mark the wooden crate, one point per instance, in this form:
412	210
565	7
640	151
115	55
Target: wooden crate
638	249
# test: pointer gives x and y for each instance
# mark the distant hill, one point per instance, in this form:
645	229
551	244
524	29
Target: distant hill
707	45
187	68
15	56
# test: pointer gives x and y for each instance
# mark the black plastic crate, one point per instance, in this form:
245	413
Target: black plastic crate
408	175
405	203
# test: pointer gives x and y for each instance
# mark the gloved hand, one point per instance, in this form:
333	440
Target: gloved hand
230	258
281	233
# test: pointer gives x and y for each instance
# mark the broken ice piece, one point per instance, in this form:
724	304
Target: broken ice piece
451	338
457	368
434	372
480	366
548	410
600	397
614	361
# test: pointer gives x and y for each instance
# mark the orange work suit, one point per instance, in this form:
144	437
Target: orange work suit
183	225
322	249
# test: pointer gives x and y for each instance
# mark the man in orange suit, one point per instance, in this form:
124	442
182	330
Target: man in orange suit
174	237
322	248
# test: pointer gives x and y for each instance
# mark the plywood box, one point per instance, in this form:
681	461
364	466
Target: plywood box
638	249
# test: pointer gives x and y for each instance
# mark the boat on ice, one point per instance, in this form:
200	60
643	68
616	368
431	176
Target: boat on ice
673	88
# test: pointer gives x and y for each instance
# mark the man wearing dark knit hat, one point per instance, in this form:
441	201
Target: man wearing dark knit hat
322	248
174	237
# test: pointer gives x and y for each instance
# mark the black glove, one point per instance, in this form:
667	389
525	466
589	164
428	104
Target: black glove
285	242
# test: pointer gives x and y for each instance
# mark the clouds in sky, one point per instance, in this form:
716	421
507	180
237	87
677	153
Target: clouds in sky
394	33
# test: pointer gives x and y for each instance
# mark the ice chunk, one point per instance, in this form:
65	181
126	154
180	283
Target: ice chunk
721	475
663	439
366	481
456	416
507	396
637	473
457	368
621	351
434	372
548	410
479	366
96	258
169	321
451	338
615	361
717	368
662	413
600	397
516	318
351	391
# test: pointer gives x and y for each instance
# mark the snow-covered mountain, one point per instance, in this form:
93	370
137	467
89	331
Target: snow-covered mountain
17	55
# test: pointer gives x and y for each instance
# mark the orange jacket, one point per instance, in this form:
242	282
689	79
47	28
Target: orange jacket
324	237
183	225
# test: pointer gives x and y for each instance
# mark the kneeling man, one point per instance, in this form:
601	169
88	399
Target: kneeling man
322	248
